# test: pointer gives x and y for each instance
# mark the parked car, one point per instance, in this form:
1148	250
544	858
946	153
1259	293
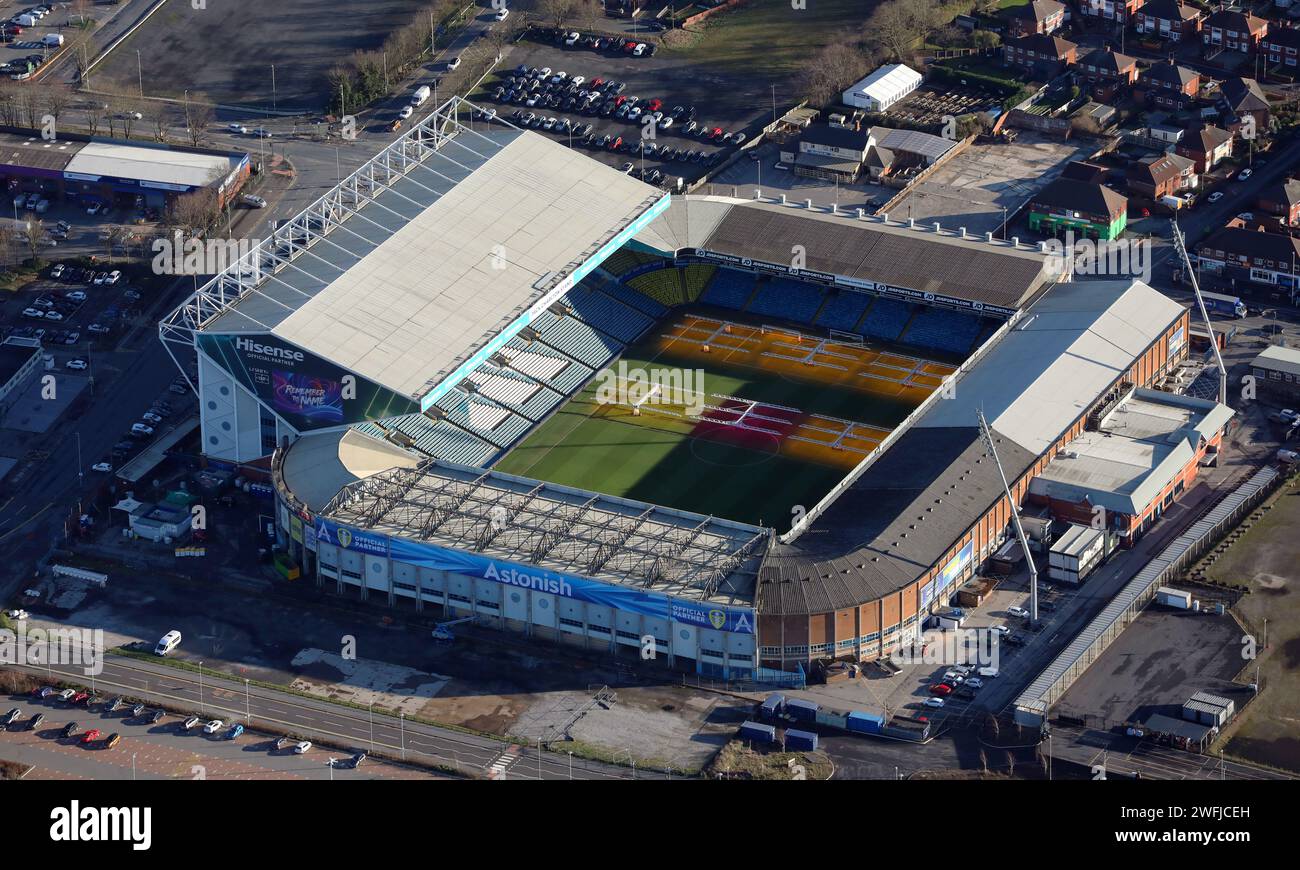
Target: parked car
69	729
11	717
190	723
1215	197
235	731
302	748
934	702
156	717
113	740
940	689
213	726
76	365
66	695
90	736
35	722
1018	612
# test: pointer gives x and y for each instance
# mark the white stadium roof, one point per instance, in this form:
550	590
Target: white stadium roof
1057	360
448	255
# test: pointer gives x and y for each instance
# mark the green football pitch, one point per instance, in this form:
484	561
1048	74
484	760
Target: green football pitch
657	460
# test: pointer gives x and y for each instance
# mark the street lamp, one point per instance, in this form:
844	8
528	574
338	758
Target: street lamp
200	687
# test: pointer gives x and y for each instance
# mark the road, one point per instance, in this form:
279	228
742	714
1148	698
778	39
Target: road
1117	754
324	722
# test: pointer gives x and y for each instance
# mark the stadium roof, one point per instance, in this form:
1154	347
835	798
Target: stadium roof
320	465
557	527
444	258
993	273
913	502
1066	350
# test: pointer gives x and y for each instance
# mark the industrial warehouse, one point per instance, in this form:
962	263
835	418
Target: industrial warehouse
410	356
94	170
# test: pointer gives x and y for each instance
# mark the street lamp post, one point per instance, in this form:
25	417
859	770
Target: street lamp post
139	73
200	687
372	727
401	722
248	719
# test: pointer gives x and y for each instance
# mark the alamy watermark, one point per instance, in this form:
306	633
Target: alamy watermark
40	647
975	647
1117	258
677	389
179	255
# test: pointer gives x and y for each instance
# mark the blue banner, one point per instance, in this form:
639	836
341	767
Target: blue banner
571	586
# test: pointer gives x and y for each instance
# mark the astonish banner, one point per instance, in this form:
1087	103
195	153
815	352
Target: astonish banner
305	391
537	579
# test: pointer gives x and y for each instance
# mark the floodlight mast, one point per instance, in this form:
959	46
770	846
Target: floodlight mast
1181	246
987	435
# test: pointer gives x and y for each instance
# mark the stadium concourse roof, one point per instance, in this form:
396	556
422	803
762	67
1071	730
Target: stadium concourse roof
447	256
911	504
870	249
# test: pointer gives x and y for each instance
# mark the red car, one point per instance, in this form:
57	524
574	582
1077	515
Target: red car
629	46
940	689
616	143
619	101
597	82
90	736
655	105
79	698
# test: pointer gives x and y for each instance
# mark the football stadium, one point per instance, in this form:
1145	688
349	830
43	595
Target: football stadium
492	378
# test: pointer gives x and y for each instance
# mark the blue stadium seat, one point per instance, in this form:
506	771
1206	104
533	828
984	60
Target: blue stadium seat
843	310
610	317
886	319
633	299
729	289
796	301
576	339
942	329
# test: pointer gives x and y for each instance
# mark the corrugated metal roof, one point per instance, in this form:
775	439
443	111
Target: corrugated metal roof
1075	341
34	152
886	82
157	165
913	258
1278	358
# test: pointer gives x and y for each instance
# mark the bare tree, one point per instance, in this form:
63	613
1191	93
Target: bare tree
199	115
837	66
7	238
94	115
9	102
558	12
197	210
57	100
29	101
33	232
897	26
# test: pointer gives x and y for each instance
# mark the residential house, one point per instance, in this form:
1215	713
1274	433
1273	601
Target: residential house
1251	257
1086	209
1109	10
1282	199
829	153
1162	175
1169	85
1101	66
1169	19
1082	170
1207	145
1036	16
1233	30
1241	98
1281	47
1045	57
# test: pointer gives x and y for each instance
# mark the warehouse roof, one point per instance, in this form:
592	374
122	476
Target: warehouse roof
445	257
156	165
1280	359
927	145
33	152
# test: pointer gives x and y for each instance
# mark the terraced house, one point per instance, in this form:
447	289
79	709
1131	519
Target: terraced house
1170	20
1233	30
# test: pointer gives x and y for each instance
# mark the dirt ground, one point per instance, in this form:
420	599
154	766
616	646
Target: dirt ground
1264	560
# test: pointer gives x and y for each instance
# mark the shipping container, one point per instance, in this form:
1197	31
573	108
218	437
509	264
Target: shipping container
865	723
771	708
1076	553
833	719
757	732
801	710
1174	598
804	740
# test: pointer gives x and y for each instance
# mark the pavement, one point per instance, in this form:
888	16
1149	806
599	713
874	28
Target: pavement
321	721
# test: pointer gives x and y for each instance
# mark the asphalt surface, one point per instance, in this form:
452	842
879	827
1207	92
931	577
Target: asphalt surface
321	721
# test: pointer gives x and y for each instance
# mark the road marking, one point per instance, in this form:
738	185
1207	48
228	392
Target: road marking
503	762
26	521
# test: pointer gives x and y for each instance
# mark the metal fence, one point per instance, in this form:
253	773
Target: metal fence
1033	705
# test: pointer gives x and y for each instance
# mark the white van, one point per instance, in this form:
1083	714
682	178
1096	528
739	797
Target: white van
169	642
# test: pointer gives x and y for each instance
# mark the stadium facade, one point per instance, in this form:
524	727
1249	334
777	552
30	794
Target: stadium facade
386	347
